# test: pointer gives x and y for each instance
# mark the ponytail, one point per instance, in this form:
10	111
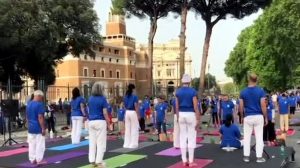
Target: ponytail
228	120
130	90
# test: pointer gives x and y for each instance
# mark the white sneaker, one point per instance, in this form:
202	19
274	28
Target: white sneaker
260	160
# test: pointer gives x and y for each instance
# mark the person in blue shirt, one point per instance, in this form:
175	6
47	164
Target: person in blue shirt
230	134
132	114
176	135
214	112
110	113
284	108
147	107
188	118
269	129
293	103
298	100
253	105
121	116
227	107
78	115
35	111
142	108
160	115
98	122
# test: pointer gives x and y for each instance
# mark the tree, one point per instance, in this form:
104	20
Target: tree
154	10
212	11
181	7
36	34
229	88
274	54
209	83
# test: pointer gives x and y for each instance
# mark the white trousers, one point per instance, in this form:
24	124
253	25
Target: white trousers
131	138
256	123
77	122
97	140
176	136
188	135
36	147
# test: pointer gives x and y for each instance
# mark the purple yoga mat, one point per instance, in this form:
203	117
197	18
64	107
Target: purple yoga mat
172	152
201	163
56	158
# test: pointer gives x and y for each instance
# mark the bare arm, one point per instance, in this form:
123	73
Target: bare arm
106	116
136	106
177	107
42	122
264	107
82	107
195	103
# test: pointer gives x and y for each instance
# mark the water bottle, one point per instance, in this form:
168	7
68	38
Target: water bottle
51	134
227	148
282	151
212	141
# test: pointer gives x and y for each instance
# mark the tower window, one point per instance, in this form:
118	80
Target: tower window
102	73
85	72
110	74
94	73
117	52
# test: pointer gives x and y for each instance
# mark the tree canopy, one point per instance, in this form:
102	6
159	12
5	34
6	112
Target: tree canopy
271	48
36	34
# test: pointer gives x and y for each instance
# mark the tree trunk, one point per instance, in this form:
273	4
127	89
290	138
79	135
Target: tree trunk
153	28
208	33
182	36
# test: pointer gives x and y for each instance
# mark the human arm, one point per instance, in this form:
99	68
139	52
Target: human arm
197	113
264	109
41	119
241	110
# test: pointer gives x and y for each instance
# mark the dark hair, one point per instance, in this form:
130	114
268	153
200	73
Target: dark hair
130	89
228	120
75	93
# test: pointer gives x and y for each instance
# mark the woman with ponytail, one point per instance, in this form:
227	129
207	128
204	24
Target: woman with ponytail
230	134
131	137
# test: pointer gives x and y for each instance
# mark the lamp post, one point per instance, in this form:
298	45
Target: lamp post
177	78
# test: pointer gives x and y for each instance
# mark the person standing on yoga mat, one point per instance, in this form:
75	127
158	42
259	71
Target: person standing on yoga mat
78	115
227	107
176	131
35	111
188	118
131	138
252	103
284	108
98	124
269	130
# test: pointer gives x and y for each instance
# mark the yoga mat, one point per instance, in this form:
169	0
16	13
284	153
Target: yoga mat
143	138
127	150
290	132
201	163
213	133
56	159
13	152
172	152
112	138
25	144
69	146
199	139
119	161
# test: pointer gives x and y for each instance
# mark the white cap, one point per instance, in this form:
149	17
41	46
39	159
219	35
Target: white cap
38	93
140	101
186	78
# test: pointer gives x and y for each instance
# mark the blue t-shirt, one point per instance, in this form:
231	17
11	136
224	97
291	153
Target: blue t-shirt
269	110
160	109
230	136
75	106
298	98
129	102
109	109
214	106
33	110
227	108
96	106
142	109
121	114
146	104
293	101
185	97
174	105
283	106
251	97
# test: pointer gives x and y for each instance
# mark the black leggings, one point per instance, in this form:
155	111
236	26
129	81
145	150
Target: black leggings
142	124
51	124
269	132
215	118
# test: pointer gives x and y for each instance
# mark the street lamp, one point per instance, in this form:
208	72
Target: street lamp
177	79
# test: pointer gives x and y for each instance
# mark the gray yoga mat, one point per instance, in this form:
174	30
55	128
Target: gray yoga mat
127	150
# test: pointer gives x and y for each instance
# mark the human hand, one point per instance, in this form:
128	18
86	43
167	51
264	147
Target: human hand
43	132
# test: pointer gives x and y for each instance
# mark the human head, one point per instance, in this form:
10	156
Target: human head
130	89
228	120
38	95
225	97
252	79
186	79
97	90
75	93
161	98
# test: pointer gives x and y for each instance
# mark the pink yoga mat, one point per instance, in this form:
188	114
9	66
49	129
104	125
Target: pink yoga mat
143	138
13	152
199	139
201	163
172	152
290	132
212	133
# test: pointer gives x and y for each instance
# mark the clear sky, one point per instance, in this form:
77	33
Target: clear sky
223	39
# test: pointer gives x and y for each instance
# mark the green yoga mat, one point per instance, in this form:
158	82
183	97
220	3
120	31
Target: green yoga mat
119	161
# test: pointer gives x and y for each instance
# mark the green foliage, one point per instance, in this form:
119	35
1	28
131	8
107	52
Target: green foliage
229	88
36	34
271	48
210	82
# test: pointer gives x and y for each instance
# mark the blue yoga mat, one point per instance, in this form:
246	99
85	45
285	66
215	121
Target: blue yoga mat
69	146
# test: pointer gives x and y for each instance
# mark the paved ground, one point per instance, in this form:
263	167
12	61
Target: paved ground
20	136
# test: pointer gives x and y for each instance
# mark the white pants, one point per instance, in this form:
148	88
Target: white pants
97	140
188	135
131	138
255	122
176	137
36	147
77	122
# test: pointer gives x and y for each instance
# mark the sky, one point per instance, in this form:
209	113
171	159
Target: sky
223	40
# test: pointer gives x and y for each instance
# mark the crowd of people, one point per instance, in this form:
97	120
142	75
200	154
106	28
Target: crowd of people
253	109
